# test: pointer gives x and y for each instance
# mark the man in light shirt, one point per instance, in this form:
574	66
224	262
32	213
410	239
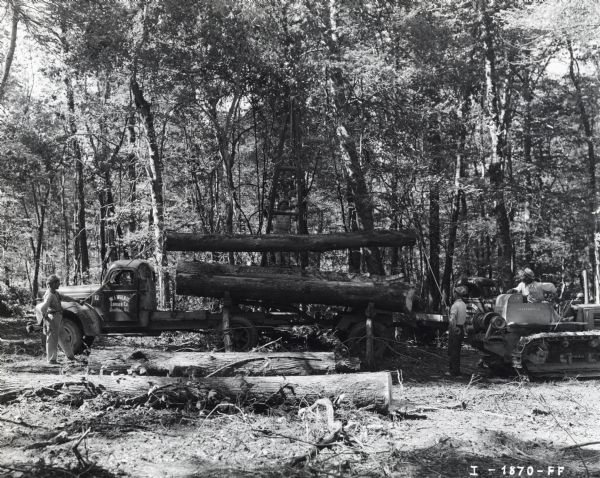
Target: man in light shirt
50	312
456	329
532	290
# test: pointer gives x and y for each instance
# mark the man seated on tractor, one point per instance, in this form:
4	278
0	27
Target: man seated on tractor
571	309
532	290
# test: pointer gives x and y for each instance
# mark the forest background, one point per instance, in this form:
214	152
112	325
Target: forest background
471	122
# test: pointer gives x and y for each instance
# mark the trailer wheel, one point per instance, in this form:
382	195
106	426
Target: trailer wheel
243	333
357	339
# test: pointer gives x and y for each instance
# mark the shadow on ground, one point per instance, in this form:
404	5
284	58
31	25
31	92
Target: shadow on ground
40	470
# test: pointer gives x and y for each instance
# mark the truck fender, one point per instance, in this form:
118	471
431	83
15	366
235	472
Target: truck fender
88	319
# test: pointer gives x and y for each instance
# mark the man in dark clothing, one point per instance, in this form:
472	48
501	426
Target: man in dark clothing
456	329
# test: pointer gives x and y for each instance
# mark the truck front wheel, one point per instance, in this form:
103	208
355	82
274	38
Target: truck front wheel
73	335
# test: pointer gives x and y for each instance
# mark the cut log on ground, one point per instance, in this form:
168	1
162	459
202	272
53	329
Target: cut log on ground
202	280
202	364
372	391
178	241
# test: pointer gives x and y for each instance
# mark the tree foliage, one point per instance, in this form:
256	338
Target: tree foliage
473	126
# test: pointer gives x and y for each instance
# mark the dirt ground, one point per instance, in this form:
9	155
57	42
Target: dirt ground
470	426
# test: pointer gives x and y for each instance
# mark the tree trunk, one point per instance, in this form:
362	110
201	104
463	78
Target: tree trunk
589	139
354	254
452	231
361	390
178	241
102	225
36	246
81	231
527	95
301	199
206	280
131	174
155	172
433	272
10	54
277	163
67	231
111	232
201	364
496	114
227	147
355	171
457	201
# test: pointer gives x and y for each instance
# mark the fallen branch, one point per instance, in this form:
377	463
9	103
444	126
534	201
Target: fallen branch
455	406
579	445
279	435
82	461
335	432
59	439
260	347
23	424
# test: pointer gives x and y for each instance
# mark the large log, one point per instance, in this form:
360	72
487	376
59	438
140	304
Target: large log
362	390
181	241
203	280
201	364
276	272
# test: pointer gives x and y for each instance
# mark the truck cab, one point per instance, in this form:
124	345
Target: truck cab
128	293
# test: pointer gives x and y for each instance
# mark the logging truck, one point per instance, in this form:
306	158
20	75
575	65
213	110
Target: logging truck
253	297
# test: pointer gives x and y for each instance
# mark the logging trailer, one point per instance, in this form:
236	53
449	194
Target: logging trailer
252	297
125	303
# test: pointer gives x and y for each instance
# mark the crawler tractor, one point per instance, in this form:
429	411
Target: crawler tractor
534	340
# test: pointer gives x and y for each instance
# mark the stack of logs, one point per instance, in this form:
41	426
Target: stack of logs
289	286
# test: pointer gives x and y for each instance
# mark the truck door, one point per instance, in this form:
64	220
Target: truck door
123	297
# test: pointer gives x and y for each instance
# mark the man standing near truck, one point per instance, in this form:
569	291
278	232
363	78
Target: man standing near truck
50	311
456	329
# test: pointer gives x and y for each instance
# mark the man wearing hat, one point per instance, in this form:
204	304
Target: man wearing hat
50	311
532	290
456	329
